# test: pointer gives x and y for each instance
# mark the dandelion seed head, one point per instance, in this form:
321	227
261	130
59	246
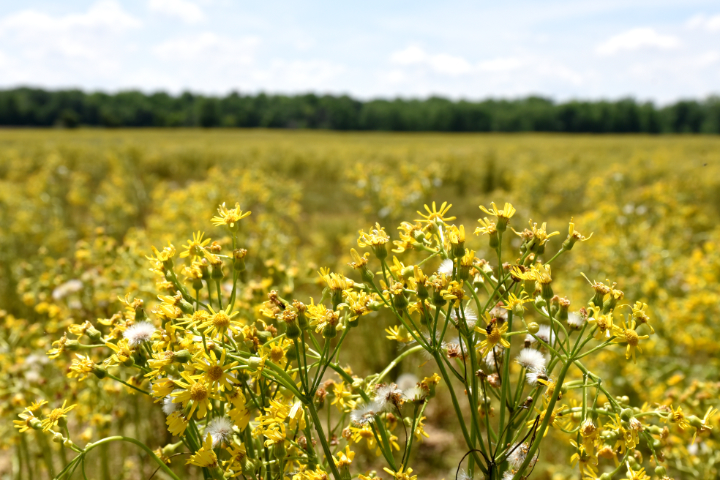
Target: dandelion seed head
168	405
575	320
532	377
531	359
139	332
220	429
364	415
446	267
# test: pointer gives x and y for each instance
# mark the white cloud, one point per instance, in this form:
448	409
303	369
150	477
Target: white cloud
635	39
186	11
500	65
439	63
39	45
409	56
704	22
207	47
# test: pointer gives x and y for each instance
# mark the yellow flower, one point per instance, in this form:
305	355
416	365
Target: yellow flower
636	475
487	227
627	334
205	457
375	238
195	248
27	419
358	261
51	419
229	217
702	425
454	292
343	397
604	324
122	350
177	422
215	371
640	316
506	213
399	334
493	335
516	301
402	474
320	316
240	413
435	216
237	459
81	367
574	235
197	392
345	458
220	322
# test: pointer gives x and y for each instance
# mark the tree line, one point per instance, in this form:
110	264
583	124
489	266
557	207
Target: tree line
32	107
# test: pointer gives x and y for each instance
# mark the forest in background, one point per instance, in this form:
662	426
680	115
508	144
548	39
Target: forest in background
32	107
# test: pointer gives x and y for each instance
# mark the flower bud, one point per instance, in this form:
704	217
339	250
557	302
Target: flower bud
660	471
533	327
217	271
72	345
626	414
264	337
400	301
99	372
182	356
93	334
239	259
293	330
329	331
279	450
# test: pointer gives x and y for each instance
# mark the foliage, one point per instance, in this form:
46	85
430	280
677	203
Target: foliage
71	108
70	262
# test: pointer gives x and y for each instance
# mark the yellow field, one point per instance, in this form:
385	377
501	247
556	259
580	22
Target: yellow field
88	205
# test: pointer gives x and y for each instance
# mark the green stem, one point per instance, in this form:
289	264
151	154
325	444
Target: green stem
323	441
120	438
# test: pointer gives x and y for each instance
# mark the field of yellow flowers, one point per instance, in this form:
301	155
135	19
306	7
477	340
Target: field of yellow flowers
119	246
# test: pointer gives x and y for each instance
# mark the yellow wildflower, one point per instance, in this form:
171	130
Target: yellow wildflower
205	457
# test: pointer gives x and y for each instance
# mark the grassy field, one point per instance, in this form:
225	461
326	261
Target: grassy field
88	204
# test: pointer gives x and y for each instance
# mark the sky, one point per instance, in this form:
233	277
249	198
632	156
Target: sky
654	50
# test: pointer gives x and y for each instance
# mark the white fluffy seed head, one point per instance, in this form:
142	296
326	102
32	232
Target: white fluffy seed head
139	332
532	377
463	475
446	267
168	405
518	455
387	396
220	429
406	381
415	394
494	354
471	316
575	320
531	359
364	415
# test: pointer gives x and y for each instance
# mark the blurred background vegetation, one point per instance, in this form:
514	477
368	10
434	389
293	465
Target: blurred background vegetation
72	108
87	205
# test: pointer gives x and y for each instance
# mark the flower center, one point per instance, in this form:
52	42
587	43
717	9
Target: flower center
276	354
631	337
221	320
494	336
55	415
215	372
198	392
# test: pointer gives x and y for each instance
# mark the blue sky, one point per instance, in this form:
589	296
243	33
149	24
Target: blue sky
657	50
